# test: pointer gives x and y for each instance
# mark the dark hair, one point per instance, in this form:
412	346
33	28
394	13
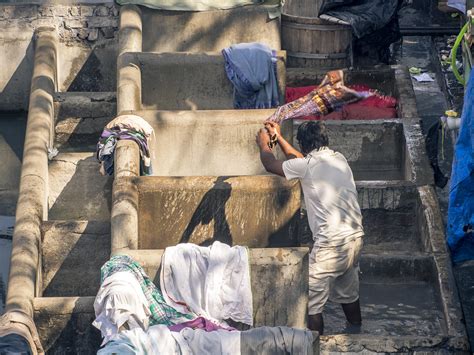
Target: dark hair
312	135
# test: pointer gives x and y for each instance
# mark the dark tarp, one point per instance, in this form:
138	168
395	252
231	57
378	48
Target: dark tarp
364	16
460	226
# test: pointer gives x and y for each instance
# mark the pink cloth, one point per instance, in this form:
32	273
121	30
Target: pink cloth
373	107
199	323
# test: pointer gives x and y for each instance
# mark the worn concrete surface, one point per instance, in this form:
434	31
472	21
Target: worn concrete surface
189	81
12	135
209	30
87	43
208	143
80	119
65	247
77	190
256	211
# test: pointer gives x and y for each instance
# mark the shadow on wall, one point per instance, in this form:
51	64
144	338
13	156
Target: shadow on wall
95	73
15	94
212	208
69	255
81	192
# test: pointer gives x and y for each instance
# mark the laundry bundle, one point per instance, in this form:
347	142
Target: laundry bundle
129	127
329	96
251	68
200	288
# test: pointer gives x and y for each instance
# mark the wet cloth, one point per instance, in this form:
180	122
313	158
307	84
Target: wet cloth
330	95
160	311
130	127
120	301
251	67
374	107
276	341
159	340
334	275
212	282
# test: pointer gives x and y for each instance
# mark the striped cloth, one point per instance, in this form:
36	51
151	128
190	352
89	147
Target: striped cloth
161	312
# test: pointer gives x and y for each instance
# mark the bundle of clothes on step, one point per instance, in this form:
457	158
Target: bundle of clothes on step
201	290
128	127
332	99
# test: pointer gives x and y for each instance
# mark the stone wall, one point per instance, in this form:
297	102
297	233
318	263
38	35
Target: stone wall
88	37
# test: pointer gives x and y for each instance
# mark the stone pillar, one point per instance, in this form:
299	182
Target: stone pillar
128	70
124	219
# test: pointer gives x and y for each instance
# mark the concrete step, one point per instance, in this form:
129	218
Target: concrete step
207	30
188	81
80	118
77	191
72	254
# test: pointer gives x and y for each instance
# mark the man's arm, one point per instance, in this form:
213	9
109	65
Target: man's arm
289	151
271	164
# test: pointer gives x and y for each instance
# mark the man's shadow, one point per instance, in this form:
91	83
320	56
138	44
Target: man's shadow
212	207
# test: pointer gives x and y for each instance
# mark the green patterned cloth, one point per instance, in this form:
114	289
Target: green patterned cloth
161	312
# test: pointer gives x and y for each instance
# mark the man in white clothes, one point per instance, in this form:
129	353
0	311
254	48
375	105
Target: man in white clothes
334	216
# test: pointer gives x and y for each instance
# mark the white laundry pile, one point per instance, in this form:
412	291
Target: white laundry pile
212	282
159	340
196	282
120	300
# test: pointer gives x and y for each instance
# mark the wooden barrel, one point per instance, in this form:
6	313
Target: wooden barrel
314	43
304	8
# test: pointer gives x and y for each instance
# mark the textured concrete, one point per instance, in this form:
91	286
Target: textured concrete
32	203
80	118
65	247
380	149
208	30
202	143
12	135
88	47
186	81
256	211
77	190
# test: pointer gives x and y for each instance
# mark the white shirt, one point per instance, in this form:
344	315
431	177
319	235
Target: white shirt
330	196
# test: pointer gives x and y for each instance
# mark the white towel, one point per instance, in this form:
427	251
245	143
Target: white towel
213	282
120	300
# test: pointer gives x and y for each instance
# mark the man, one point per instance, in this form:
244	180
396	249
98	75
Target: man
333	213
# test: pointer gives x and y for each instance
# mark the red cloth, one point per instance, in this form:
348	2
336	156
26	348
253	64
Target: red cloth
372	108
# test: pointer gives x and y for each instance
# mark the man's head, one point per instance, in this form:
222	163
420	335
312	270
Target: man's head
312	135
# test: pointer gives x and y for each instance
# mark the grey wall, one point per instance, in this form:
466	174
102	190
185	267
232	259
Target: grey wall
87	48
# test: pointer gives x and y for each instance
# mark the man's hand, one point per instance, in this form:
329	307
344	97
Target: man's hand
262	139
273	128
